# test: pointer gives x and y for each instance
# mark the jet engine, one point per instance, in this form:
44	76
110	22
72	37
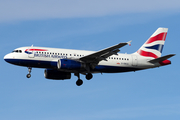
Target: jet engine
68	64
56	75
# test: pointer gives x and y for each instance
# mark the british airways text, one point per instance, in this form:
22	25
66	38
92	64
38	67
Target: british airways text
49	56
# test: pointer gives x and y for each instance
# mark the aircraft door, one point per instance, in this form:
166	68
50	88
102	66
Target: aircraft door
30	53
134	60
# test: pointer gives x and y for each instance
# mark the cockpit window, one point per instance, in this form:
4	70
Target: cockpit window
17	51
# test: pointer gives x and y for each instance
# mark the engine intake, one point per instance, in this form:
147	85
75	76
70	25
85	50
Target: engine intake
56	75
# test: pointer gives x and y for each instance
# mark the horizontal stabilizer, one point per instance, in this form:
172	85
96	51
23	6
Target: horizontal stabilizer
160	59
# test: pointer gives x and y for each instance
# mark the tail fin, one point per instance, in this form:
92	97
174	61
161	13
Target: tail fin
154	45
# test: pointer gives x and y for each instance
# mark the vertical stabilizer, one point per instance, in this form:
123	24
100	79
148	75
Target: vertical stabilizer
154	45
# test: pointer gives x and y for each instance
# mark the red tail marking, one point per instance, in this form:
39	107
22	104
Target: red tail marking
147	54
161	37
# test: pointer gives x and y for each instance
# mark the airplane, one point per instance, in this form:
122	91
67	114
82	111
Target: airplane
59	64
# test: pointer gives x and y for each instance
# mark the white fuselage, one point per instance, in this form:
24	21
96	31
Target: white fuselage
43	57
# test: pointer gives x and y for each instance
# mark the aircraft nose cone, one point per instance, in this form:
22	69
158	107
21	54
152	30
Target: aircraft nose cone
8	58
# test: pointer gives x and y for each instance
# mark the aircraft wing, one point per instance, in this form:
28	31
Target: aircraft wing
103	54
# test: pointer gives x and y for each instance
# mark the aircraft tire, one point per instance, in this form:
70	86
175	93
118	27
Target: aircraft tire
28	75
89	76
79	82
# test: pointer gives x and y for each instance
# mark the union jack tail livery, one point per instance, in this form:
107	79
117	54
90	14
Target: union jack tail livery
154	45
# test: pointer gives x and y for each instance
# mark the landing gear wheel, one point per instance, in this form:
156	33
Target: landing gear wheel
79	82
28	75
89	76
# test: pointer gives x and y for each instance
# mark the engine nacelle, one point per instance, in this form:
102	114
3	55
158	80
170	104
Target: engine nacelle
56	75
68	64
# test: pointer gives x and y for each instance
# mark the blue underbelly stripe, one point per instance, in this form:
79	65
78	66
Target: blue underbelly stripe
53	65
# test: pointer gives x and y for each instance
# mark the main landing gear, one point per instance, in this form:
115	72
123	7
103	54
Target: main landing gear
29	74
89	76
79	82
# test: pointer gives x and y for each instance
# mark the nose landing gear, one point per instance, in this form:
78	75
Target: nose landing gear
29	74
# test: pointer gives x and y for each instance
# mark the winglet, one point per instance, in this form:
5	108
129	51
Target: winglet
129	43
